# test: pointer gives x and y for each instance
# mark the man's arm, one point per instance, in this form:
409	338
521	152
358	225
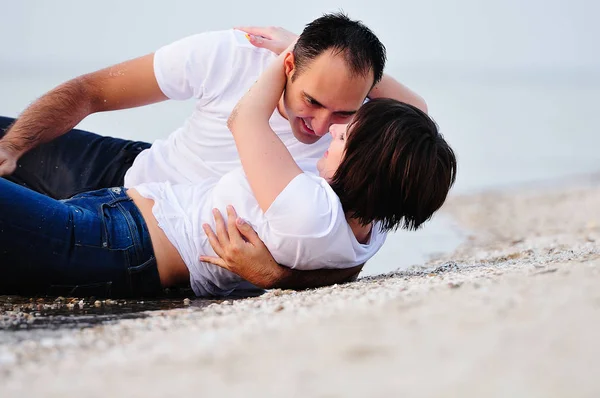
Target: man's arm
288	278
277	39
241	251
388	87
126	85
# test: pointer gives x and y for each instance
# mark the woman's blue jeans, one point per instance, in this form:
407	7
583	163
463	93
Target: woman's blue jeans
93	244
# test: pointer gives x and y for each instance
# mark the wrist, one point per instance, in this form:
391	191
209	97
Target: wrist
280	277
10	148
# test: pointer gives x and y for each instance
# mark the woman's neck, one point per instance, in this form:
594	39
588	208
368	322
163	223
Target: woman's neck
362	233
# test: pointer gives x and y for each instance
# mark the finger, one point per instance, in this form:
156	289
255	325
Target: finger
255	31
248	232
261	42
213	240
220	228
214	260
234	234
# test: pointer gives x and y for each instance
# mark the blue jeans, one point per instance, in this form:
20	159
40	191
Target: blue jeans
94	244
76	162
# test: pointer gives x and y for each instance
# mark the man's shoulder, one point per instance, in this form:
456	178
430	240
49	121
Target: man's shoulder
227	41
245	52
235	65
230	50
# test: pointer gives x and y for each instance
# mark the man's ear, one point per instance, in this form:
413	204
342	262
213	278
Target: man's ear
289	64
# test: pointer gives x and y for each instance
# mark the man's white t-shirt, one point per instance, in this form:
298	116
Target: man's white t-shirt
215	68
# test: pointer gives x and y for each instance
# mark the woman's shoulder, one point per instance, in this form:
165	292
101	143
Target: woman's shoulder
306	207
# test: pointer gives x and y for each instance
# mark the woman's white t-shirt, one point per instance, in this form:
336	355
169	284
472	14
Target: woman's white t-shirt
305	227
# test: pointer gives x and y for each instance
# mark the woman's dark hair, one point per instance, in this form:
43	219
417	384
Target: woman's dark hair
397	168
359	46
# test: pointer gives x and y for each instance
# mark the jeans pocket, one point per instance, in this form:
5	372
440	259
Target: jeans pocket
116	229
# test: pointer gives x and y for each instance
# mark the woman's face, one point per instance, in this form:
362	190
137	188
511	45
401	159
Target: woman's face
332	158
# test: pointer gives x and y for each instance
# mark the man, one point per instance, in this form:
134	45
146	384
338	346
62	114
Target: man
215	68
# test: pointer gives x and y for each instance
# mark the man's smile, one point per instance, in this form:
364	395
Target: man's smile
308	129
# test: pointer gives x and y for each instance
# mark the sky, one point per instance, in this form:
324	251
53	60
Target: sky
459	34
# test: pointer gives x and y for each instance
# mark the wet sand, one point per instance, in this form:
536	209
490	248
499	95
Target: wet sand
514	311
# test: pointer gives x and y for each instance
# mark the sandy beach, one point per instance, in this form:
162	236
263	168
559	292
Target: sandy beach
515	311
509	306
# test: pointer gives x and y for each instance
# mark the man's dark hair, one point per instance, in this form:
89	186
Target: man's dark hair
397	168
359	46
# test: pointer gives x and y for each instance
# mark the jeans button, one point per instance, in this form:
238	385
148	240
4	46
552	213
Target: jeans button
116	190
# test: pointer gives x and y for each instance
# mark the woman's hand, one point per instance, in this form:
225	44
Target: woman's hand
272	38
241	251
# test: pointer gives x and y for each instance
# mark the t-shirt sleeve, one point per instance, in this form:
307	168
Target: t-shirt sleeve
185	67
307	228
305	208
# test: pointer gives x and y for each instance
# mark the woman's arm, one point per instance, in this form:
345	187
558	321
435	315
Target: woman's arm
388	87
268	164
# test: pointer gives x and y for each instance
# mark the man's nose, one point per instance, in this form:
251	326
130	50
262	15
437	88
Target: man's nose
321	124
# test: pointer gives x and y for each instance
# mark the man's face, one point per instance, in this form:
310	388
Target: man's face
324	93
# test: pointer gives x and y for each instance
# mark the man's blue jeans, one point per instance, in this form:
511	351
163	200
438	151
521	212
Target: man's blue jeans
76	162
94	244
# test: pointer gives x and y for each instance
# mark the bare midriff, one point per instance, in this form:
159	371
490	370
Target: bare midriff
171	268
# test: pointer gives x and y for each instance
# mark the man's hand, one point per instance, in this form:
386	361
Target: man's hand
241	251
272	38
8	159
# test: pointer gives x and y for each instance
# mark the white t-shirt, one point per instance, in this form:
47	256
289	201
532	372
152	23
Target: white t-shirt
305	227
197	168
215	68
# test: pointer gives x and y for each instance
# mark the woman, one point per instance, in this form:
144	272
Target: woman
388	168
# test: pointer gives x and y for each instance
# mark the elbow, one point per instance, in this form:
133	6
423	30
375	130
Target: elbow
84	95
423	106
72	97
419	102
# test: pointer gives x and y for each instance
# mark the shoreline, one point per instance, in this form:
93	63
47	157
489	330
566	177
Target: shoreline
514	310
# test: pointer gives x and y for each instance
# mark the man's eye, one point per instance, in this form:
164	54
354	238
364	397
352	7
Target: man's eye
342	119
311	101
